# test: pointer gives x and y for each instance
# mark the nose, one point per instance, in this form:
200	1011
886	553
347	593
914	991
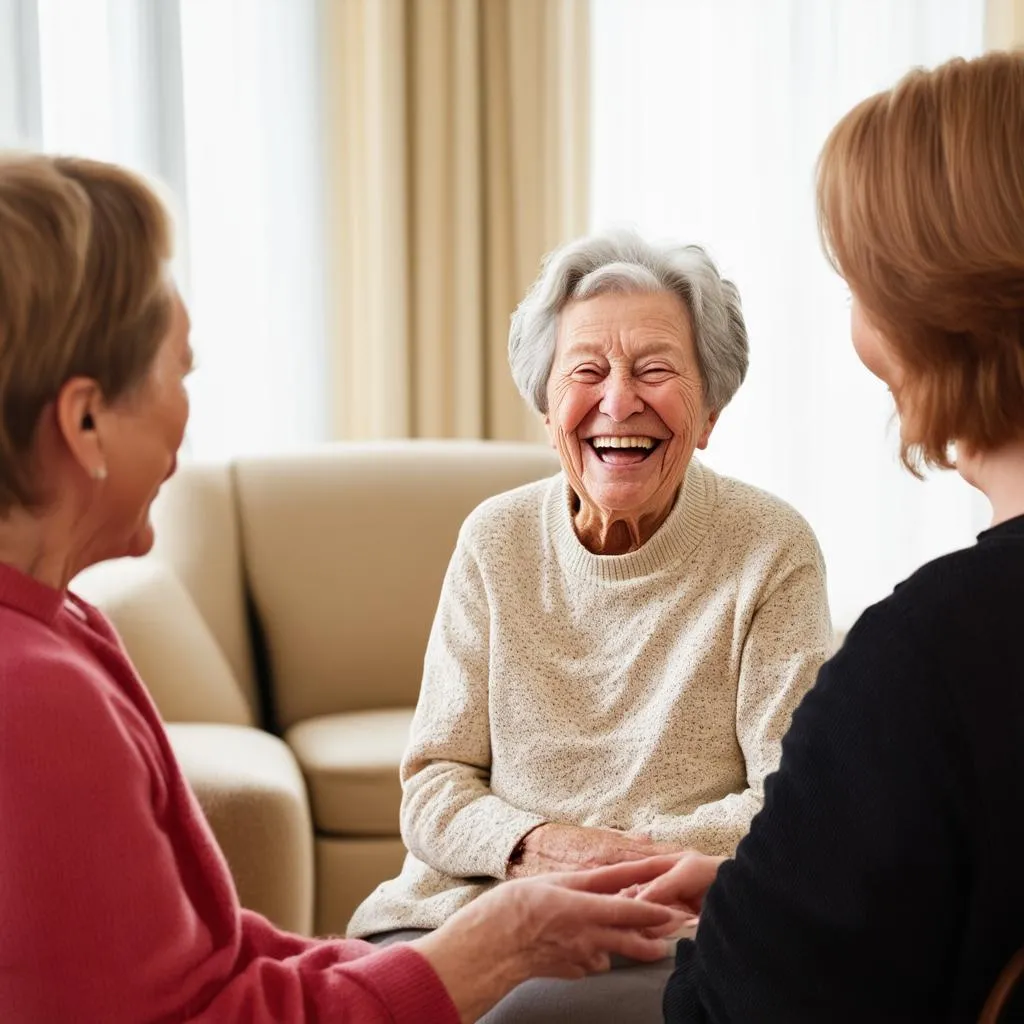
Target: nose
620	399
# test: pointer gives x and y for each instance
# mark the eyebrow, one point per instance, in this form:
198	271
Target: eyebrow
587	347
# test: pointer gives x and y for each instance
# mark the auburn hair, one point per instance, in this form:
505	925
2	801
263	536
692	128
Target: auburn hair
84	292
920	193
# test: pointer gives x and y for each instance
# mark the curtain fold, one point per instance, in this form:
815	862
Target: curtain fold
457	157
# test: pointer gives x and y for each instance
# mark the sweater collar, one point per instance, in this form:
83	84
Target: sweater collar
675	540
1008	528
24	594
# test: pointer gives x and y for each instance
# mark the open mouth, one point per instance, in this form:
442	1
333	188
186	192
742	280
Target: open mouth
623	451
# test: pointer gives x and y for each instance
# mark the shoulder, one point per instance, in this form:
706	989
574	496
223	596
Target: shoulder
880	700
955	579
896	653
66	733
968	597
759	522
46	680
514	515
743	506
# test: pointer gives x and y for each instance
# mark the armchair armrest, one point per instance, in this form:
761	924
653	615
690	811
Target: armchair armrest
167	639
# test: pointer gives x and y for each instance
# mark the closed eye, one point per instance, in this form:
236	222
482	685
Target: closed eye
588	373
656	374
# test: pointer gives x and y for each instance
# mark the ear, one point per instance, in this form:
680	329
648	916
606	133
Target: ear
80	412
709	425
552	434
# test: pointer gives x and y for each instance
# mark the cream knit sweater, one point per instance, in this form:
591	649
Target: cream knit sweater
646	692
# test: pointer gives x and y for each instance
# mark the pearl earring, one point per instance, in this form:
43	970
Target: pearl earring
99	473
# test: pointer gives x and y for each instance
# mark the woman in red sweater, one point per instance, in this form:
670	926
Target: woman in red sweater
115	902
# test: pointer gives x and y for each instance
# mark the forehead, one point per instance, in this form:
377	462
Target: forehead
646	320
175	345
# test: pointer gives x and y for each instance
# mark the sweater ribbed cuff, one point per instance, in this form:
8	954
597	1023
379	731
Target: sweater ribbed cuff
406	985
506	830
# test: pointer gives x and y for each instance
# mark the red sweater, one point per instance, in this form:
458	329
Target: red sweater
115	901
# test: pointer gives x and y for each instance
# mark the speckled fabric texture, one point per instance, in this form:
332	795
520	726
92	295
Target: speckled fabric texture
647	692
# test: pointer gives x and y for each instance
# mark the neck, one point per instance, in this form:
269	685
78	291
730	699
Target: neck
999	475
27	543
611	532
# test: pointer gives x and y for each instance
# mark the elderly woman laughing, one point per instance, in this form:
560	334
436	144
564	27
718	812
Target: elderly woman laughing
618	650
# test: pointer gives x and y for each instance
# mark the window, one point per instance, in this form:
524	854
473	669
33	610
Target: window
707	118
219	99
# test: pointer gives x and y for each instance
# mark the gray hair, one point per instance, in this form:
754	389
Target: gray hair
622	261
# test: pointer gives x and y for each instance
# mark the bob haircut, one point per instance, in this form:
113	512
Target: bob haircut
920	193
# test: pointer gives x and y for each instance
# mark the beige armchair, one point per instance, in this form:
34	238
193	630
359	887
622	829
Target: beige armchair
280	625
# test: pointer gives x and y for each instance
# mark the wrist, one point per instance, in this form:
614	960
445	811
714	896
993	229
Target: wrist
475	976
523	850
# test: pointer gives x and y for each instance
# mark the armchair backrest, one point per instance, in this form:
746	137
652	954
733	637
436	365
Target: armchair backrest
345	550
197	536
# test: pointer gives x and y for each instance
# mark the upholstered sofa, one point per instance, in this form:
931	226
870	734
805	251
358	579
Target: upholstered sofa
280	624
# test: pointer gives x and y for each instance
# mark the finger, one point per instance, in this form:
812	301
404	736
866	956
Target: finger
635	945
617	877
682	893
681	922
619	912
684	884
690	906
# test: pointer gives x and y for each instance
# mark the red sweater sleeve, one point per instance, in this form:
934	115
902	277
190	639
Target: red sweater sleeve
115	901
349	982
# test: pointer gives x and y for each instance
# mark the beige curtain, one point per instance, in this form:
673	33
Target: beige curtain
457	157
1004	24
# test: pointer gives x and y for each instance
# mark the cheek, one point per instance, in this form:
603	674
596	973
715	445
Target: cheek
679	406
181	420
871	349
869	353
165	434
568	404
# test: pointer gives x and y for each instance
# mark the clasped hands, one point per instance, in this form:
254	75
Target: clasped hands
576	897
554	847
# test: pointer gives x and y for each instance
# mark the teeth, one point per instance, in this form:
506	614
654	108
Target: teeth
622	442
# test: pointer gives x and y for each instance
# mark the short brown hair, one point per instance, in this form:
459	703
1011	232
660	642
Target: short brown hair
83	292
921	209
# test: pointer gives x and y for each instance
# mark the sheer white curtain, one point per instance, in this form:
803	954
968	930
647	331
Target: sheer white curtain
219	99
707	118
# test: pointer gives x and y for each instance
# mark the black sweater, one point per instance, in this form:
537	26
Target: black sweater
884	878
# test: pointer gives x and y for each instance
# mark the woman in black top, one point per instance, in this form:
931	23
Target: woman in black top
884	878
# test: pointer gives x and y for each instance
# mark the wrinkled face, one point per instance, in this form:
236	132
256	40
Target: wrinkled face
626	400
140	435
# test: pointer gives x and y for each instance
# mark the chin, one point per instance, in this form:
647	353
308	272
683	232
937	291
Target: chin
624	498
141	542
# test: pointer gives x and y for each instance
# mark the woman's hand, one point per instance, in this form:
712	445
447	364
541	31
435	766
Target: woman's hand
558	926
555	847
685	884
